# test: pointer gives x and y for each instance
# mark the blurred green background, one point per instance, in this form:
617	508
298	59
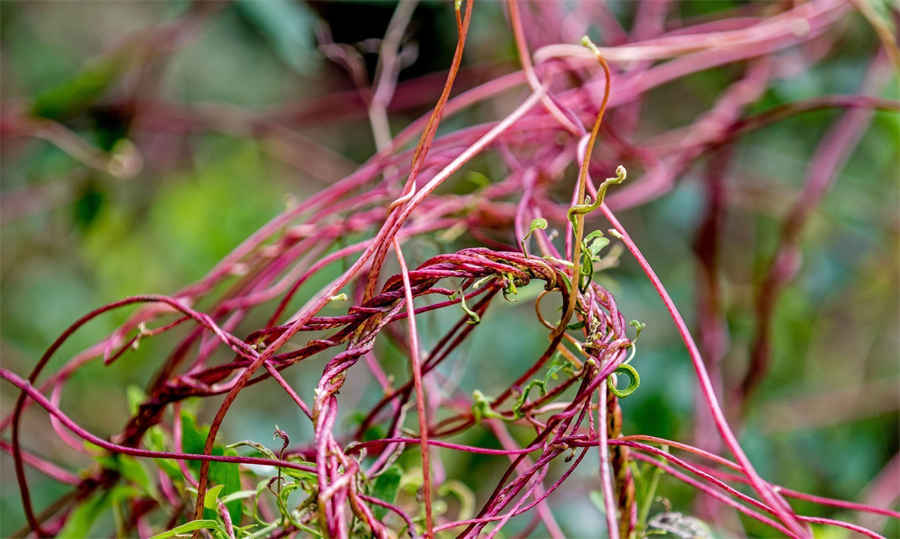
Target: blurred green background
73	237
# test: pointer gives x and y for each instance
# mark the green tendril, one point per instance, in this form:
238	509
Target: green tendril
480	282
632	374
481	407
510	290
557	364
593	243
537	224
473	316
638	328
583	209
523	397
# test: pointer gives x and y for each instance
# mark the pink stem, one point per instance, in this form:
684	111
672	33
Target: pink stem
780	507
416	368
612	527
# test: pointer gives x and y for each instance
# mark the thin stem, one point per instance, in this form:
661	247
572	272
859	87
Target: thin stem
612	527
706	387
416	369
579	200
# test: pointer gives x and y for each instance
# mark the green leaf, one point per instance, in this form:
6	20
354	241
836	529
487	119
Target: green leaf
288	25
386	486
282	500
239	495
228	475
300	475
260	448
193	437
155	440
93	449
478	179
648	488
131	470
537	224
681	525
596	498
75	94
135	397
595	242
224	473
191	526
509	288
83	517
210	500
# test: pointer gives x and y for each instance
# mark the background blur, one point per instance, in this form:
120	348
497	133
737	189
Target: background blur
233	108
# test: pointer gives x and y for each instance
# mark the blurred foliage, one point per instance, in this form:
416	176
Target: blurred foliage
74	238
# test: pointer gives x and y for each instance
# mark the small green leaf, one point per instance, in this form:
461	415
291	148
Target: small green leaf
680	525
648	488
85	87
288	26
595	242
193	437
228	474
538	224
82	519
225	473
557	364
596	498
282	500
510	290
478	179
135	397
239	495
93	449
462	493
210	500
155	440
191	526
131	469
385	488
260	448
300	475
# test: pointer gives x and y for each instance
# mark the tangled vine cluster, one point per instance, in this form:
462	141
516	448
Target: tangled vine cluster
167	474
